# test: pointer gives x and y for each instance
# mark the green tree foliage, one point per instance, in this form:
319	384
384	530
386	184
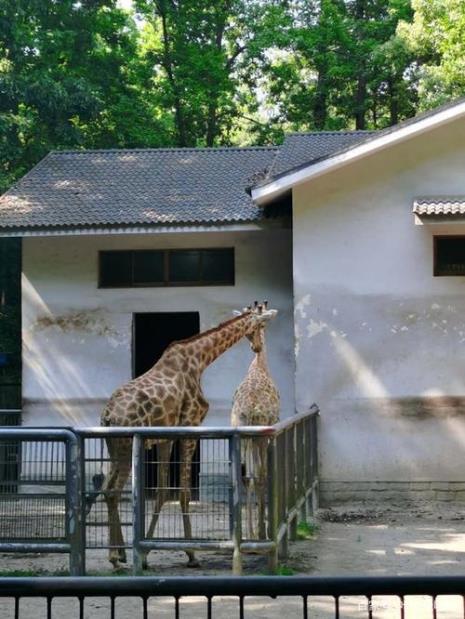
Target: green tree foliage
201	52
436	38
70	76
87	74
342	65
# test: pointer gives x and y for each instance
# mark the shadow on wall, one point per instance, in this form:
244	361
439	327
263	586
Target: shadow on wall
375	433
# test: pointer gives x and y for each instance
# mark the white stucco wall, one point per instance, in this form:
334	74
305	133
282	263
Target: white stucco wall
380	342
77	338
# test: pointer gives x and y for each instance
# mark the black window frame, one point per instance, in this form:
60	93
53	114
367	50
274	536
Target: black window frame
437	270
167	282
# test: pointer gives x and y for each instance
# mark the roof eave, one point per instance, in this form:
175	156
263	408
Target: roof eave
56	231
267	192
439	220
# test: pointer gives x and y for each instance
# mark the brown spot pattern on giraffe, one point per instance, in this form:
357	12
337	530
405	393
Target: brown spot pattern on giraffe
169	394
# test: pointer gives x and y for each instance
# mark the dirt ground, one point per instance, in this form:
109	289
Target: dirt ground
351	539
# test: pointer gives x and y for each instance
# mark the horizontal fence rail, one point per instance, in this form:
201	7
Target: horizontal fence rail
241	489
301	594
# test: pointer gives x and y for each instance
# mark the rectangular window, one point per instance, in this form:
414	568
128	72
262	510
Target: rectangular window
169	267
449	255
148	268
184	266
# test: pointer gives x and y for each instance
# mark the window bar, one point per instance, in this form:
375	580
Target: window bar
166	266
133	267
200	264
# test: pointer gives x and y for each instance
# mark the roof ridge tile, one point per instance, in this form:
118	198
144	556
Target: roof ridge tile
173	149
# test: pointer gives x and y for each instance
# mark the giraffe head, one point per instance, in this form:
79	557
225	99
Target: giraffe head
259	316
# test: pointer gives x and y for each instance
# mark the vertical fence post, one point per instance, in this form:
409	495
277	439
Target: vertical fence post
283	494
138	515
82	496
291	481
74	523
314	447
235	455
300	470
272	504
308	463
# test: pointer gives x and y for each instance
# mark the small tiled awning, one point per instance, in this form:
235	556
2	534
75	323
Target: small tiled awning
439	206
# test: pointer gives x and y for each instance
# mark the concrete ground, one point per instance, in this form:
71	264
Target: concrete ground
351	539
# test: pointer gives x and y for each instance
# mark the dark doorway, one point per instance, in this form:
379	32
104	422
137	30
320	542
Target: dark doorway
153	333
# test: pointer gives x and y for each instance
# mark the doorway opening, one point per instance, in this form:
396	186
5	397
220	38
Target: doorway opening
153	333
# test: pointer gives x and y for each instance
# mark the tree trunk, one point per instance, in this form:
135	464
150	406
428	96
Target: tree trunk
393	103
169	68
320	111
360	99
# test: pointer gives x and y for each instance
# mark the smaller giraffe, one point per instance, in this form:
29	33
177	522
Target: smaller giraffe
256	403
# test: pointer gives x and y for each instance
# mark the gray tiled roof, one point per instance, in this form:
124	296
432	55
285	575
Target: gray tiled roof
84	189
302	152
130	187
439	205
304	148
143	187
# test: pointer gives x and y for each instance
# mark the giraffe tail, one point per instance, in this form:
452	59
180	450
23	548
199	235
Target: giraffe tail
91	497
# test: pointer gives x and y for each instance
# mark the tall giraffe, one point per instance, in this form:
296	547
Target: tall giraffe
256	403
169	394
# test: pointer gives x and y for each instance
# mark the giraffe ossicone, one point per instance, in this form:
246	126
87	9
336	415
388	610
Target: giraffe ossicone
169	394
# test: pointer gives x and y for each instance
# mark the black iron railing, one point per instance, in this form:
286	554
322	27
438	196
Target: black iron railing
390	593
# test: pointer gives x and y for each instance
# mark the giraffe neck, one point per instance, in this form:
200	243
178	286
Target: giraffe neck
213	344
261	360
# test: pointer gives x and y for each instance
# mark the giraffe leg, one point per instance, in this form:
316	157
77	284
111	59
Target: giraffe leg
119	472
249	485
163	457
187	453
261	486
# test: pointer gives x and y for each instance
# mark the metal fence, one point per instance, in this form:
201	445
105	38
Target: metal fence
121	488
9	457
40	493
224	597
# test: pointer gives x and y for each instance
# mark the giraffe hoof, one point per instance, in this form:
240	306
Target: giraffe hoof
193	563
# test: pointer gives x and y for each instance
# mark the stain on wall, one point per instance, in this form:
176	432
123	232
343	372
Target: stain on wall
86	321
